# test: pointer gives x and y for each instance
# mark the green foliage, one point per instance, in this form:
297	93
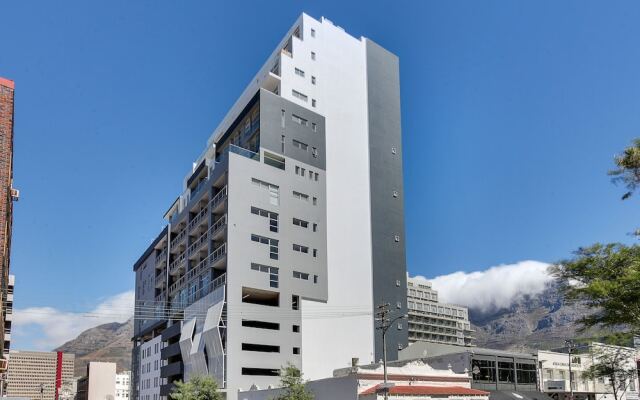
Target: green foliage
628	168
293	384
615	364
607	279
198	388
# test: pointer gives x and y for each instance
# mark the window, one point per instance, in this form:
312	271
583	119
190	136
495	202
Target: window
272	271
314	127
300	171
301	275
299	120
296	350
313	55
484	371
274	160
301	196
313	102
315	252
296	328
299	95
299	72
310	174
295	302
282	119
314	153
260	372
273	244
315	201
526	373
315	279
313	80
300	145
505	372
262	348
313	32
300	223
273	217
274	191
300	248
260	297
315	227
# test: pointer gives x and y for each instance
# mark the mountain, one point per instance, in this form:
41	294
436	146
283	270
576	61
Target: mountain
108	343
543	321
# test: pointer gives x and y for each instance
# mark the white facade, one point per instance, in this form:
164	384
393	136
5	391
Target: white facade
555	377
150	363
123	385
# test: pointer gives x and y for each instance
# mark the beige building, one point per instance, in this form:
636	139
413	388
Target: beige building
38	375
100	382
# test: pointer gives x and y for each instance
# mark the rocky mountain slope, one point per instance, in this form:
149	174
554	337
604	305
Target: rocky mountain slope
108	343
543	321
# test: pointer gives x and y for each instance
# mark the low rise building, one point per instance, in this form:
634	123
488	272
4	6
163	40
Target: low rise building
409	380
432	321
559	381
38	375
123	385
489	369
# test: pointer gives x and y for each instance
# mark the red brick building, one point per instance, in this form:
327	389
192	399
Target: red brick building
7	196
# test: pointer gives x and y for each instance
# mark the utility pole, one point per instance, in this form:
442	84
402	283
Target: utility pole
570	346
383	316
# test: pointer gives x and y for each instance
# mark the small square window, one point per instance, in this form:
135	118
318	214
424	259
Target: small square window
313	102
313	55
315	227
395	193
296	328
315	252
393	150
397	238
398	283
296	350
313	80
313	32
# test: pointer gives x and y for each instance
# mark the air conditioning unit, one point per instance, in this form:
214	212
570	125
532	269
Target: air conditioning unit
15	194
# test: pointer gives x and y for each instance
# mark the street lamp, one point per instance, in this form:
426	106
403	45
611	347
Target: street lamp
570	346
385	324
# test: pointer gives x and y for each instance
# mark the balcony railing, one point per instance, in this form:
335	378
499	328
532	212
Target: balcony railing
178	261
161	257
199	217
178	238
198	243
202	265
218	198
219	224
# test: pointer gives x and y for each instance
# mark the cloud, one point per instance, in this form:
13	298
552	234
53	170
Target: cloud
494	288
45	328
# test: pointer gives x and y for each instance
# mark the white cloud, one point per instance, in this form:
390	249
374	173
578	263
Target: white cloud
45	328
494	288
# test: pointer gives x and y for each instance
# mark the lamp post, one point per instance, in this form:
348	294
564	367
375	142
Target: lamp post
383	316
570	346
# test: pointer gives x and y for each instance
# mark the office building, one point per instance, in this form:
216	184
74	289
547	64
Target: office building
7	196
123	385
290	228
431	321
39	375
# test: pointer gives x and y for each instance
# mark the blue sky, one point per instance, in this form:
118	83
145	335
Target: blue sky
512	112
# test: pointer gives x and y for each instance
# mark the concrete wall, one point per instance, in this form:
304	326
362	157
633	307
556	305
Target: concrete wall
345	388
102	381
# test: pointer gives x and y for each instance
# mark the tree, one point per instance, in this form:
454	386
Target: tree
616	365
607	279
293	384
198	388
628	168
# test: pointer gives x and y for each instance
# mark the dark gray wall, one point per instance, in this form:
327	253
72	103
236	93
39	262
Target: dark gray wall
271	129
387	211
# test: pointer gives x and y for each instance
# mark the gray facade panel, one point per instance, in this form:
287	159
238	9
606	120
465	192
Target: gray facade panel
387	211
271	129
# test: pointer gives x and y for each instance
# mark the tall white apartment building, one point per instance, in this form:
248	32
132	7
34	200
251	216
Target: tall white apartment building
432	321
290	229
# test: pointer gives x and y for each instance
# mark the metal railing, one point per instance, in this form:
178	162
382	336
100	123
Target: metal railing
161	257
198	243
220	223
216	255
196	220
218	198
178	261
178	238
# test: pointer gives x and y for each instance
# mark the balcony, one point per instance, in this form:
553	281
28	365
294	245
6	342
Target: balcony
161	280
200	217
178	239
213	260
217	202
178	263
171	369
195	246
217	229
162	257
170	351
